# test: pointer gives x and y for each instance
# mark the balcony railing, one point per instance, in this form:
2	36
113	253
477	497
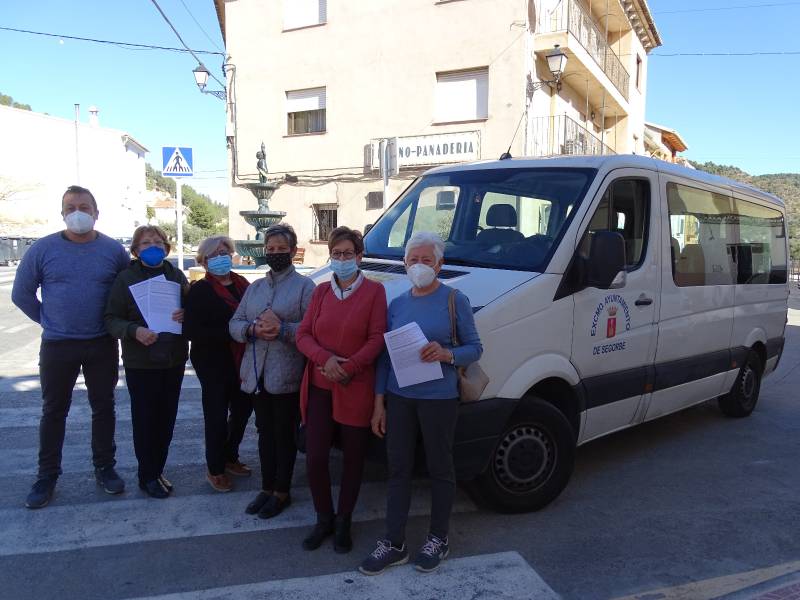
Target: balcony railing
571	16
553	136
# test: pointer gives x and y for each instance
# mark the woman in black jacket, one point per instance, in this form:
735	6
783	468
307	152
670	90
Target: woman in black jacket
216	358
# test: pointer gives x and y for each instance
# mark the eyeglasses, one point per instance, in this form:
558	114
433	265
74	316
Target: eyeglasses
220	253
336	255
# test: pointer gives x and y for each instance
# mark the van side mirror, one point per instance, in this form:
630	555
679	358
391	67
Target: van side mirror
367	228
605	266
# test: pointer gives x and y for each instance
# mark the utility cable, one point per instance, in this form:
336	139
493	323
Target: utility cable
111	42
196	22
718	8
197	58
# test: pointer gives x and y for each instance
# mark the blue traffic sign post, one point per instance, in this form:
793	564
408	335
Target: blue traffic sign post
178	162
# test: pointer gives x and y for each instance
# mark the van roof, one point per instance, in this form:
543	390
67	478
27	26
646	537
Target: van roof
613	161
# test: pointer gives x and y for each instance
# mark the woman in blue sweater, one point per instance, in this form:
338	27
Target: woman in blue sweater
431	406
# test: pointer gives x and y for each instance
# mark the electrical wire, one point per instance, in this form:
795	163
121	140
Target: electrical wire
197	58
777	53
131	45
205	33
718	8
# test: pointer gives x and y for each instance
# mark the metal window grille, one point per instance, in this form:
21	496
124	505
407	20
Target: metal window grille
325	217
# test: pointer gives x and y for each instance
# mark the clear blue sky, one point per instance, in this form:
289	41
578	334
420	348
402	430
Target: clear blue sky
734	110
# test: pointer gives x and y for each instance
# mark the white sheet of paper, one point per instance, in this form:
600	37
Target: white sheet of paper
164	298
140	293
403	345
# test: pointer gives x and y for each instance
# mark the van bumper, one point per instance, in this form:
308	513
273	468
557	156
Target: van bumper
480	425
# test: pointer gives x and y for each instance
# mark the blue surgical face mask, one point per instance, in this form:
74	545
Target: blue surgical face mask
344	269
220	265
152	256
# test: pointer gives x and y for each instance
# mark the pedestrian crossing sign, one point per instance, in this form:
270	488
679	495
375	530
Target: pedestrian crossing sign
177	162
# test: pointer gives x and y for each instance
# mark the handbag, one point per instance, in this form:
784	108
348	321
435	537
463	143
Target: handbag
472	380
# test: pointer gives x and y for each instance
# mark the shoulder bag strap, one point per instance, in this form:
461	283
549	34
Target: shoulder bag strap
451	308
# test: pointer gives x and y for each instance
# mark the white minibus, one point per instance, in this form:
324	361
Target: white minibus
608	291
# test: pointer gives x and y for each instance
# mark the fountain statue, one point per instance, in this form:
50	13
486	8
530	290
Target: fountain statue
261	218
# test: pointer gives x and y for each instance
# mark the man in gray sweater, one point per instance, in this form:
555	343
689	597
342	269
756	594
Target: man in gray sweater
74	269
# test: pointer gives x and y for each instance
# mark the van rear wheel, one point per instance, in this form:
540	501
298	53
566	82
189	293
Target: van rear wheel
743	397
532	461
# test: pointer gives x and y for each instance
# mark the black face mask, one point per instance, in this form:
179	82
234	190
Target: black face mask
279	261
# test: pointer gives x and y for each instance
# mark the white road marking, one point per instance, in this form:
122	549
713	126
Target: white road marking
29	382
137	518
501	576
18	328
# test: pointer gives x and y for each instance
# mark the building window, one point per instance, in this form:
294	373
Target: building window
304	13
305	111
324	221
638	72
462	96
374	200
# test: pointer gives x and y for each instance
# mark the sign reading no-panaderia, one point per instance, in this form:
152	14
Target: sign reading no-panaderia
438	148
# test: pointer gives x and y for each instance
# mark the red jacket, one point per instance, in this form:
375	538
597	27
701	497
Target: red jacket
351	328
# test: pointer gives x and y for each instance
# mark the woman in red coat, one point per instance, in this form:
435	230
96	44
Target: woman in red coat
342	336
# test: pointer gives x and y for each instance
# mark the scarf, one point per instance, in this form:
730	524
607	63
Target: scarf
240	283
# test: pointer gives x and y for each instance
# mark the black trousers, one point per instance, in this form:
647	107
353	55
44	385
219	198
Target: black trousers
277	418
436	419
154	407
60	362
226	410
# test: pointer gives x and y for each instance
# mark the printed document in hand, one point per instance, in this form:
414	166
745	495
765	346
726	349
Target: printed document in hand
157	299
403	345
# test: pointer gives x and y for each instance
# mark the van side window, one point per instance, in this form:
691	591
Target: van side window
760	244
701	235
625	209
720	240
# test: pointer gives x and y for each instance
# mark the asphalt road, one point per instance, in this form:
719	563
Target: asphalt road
692	506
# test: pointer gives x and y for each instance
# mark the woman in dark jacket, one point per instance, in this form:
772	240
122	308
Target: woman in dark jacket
154	362
216	358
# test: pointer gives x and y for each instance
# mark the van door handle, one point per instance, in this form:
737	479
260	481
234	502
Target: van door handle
643	301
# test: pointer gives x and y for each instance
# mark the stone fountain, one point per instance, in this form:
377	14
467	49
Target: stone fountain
262	218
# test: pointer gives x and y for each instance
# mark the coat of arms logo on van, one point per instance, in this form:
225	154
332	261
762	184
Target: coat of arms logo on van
611	324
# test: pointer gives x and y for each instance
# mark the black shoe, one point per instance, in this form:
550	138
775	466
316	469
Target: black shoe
108	479
433	552
342	541
154	489
274	506
258	503
322	530
383	557
41	492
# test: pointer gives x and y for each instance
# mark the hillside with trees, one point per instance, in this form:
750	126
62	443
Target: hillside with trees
204	216
784	185
9	101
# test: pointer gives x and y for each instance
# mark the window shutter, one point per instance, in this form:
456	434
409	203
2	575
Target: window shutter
462	96
303	100
302	13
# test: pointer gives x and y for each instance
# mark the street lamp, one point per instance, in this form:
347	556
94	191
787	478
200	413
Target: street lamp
557	63
201	79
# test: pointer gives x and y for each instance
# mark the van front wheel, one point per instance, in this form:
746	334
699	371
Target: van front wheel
742	398
532	461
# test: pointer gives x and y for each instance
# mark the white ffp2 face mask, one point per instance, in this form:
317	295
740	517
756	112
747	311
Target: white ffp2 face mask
420	275
79	222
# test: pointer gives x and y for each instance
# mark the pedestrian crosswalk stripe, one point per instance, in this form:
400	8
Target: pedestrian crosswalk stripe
30	382
137	518
18	328
501	576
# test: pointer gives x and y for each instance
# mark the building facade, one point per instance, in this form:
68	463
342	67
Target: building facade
322	82
42	155
665	144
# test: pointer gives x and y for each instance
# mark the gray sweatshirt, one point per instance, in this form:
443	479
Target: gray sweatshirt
278	362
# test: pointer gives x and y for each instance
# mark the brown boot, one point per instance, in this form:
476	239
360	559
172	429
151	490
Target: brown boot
221	483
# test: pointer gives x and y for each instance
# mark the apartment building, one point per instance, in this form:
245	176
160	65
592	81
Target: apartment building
321	82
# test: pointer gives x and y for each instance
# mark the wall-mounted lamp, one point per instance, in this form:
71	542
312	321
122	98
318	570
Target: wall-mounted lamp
557	63
201	79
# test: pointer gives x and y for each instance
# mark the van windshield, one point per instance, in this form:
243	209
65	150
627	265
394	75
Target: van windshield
510	218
